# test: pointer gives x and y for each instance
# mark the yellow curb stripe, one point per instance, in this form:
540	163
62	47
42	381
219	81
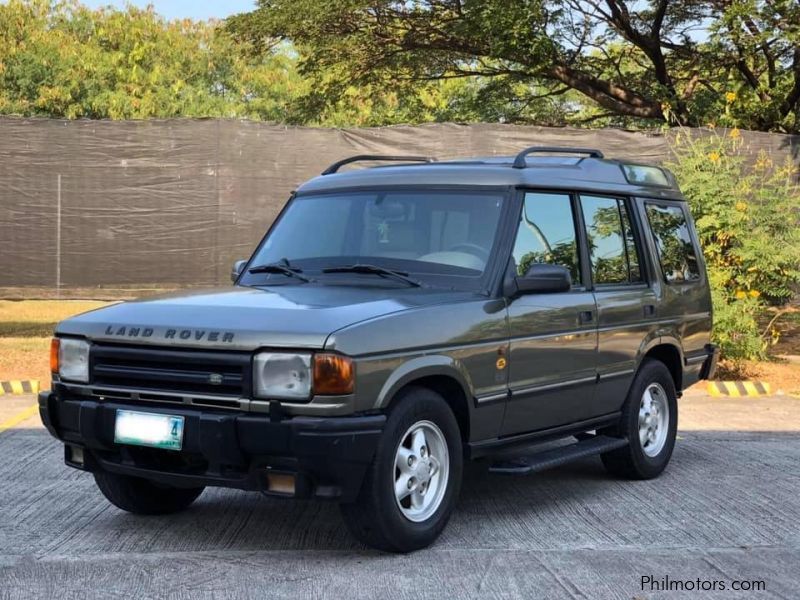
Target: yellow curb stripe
19	418
738	389
23	386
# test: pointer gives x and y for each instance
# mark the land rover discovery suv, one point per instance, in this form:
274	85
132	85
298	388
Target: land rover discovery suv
393	323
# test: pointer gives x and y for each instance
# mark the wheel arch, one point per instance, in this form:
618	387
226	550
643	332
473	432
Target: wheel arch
440	374
669	353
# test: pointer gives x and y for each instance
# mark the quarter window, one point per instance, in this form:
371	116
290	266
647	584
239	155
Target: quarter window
546	234
676	251
610	237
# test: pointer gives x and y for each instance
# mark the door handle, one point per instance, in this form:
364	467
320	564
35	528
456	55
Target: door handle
649	310
585	316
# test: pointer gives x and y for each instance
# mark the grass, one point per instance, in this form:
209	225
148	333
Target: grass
25	330
85	293
25	358
38	318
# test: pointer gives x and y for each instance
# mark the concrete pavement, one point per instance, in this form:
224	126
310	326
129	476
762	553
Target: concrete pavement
725	510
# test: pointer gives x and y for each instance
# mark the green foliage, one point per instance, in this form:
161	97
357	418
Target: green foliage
747	221
382	62
62	59
736	326
651	63
562	253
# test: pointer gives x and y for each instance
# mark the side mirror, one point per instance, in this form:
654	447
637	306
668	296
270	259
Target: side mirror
544	278
237	269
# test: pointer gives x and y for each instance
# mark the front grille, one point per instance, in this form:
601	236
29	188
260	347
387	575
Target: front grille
188	372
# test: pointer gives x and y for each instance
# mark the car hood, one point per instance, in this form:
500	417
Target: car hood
243	318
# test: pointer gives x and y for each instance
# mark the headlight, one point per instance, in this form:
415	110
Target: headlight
282	375
70	359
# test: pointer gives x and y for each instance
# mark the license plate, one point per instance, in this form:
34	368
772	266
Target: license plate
148	429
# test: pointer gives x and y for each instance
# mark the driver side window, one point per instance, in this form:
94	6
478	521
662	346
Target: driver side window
546	233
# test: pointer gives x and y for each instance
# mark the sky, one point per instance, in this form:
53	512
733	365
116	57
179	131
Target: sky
181	9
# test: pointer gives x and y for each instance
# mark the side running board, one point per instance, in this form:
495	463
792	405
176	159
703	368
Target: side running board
547	459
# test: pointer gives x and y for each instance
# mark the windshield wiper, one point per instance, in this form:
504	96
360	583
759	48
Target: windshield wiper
375	270
280	268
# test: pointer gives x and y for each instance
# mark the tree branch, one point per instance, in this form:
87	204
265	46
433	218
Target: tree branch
792	100
597	117
658	19
608	95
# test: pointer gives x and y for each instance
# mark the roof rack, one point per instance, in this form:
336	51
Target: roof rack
346	161
520	163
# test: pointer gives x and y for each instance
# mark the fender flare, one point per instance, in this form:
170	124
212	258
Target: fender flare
658	340
424	366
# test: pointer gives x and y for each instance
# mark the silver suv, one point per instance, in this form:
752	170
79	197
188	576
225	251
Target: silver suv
393	323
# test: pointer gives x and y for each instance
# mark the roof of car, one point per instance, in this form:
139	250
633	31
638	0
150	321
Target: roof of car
588	173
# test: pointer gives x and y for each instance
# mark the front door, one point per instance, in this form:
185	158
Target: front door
553	349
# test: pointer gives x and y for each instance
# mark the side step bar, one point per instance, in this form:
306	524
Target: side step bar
546	459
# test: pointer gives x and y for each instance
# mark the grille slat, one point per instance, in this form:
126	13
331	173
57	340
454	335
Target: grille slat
225	374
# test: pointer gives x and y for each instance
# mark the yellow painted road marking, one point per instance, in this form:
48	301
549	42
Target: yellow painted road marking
25	386
738	389
19	418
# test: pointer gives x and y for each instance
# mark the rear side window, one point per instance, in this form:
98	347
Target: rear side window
676	251
611	245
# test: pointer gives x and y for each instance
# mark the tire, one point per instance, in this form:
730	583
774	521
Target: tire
377	517
645	458
143	497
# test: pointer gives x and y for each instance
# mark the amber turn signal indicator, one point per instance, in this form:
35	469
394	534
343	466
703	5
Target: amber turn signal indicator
54	345
333	375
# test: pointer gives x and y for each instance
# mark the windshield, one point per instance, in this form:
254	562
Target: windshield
428	233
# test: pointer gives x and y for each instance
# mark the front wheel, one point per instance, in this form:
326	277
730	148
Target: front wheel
650	422
412	485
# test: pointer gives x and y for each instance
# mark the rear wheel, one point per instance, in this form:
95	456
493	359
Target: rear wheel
412	485
143	497
650	421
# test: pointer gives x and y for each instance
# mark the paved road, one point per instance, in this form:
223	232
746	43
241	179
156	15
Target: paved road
726	509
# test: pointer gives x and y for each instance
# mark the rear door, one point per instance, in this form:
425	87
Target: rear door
552	362
626	304
680	279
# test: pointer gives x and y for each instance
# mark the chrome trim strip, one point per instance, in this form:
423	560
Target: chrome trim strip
134	394
665	321
330	403
551	386
589	329
693	360
137	391
492	397
614	374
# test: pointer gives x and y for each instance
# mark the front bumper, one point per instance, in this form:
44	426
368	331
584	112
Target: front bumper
327	456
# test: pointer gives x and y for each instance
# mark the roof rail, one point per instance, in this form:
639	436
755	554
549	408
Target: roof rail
520	163
346	161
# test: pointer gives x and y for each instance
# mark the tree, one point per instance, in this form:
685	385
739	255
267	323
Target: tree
61	59
651	62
